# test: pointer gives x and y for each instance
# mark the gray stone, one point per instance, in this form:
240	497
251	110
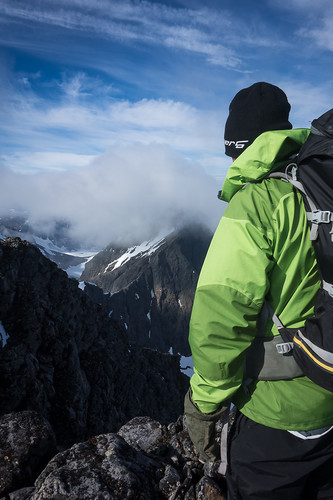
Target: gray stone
105	467
170	482
22	494
26	444
143	433
208	489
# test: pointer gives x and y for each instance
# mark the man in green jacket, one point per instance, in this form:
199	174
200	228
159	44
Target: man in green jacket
281	444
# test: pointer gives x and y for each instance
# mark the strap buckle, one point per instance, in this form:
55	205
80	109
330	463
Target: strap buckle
321	216
284	348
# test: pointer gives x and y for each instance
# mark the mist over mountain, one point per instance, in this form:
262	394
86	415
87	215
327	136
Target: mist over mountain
125	196
54	242
75	366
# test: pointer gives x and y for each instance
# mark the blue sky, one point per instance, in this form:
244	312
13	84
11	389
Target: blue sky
86	83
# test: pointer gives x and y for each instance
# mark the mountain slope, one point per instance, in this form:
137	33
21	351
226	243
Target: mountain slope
62	356
150	288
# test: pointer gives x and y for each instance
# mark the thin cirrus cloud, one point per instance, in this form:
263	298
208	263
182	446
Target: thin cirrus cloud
315	20
201	31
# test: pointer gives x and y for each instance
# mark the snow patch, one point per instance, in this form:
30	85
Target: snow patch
146	248
186	365
83	284
76	271
152	294
179	303
3	335
148	316
137	296
47	247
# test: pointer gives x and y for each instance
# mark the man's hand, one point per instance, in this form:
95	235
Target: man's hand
201	428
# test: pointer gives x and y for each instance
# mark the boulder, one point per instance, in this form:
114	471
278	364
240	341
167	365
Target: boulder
27	443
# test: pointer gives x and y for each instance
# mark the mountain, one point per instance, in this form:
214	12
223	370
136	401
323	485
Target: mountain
149	288
55	244
62	356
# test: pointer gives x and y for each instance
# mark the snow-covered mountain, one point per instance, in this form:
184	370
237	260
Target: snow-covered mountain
149	288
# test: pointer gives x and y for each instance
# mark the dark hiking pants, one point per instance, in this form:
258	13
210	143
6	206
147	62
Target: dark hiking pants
270	464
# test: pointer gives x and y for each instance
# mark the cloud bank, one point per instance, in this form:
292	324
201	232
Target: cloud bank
125	196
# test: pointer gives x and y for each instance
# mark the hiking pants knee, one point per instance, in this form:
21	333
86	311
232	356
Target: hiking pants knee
271	464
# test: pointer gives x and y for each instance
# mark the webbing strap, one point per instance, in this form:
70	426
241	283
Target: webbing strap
224	443
318	217
298	185
328	287
326	356
276	320
315	216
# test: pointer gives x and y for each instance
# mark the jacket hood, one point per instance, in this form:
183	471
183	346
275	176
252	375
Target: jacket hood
267	153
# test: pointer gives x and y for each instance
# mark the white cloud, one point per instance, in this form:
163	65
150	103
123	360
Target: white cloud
322	33
77	125
125	196
46	160
307	101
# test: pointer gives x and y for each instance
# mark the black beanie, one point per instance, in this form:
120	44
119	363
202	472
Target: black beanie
252	111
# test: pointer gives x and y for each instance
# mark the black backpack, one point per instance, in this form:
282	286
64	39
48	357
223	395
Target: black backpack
312	174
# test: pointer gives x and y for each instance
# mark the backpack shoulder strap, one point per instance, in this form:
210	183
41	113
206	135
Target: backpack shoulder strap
314	216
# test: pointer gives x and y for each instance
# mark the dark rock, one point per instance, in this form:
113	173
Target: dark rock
171	481
152	292
22	494
26	444
208	489
143	434
105	467
67	360
113	467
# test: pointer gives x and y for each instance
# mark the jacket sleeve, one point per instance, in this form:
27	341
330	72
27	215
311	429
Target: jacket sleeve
232	285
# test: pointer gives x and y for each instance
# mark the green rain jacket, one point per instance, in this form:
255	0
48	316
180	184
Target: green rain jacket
261	249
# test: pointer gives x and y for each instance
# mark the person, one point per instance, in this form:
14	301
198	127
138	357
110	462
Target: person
281	443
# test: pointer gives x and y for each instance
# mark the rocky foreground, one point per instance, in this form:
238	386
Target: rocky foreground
143	460
83	413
